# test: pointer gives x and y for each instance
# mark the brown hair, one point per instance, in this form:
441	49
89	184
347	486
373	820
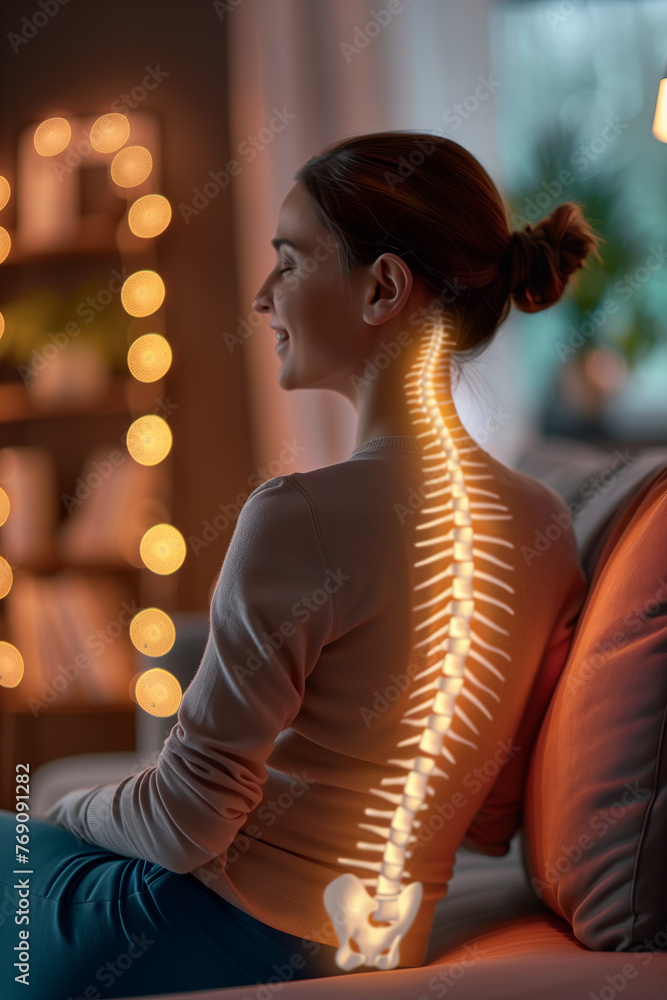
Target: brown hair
427	199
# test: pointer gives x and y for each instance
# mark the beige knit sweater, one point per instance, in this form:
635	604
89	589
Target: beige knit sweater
311	671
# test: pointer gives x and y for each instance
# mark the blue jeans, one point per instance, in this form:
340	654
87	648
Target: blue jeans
102	925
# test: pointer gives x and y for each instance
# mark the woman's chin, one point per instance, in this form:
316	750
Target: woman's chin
285	378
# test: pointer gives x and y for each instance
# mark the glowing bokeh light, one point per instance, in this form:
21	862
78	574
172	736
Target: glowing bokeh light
163	549
52	136
158	692
152	632
109	133
142	293
6	577
149	357
660	117
131	166
5	191
149	216
2	324
4	506
11	665
5	246
149	439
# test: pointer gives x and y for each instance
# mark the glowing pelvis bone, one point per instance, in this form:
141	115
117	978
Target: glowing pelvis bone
395	906
377	945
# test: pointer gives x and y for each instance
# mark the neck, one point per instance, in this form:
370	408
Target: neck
384	407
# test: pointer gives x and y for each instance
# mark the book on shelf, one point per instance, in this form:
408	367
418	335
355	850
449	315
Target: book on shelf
72	631
28	476
114	503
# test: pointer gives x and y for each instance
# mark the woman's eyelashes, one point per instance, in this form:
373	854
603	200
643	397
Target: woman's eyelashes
286	267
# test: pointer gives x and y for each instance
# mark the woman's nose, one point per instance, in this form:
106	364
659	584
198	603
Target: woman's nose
262	302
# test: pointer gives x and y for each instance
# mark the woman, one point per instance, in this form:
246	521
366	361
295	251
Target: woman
385	636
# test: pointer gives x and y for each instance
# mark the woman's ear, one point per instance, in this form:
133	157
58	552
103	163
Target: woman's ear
387	287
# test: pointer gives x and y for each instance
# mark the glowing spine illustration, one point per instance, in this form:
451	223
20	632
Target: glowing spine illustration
393	905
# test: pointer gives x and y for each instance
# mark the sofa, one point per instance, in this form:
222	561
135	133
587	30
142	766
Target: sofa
578	906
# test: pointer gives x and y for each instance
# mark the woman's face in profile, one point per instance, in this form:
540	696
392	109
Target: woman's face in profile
308	297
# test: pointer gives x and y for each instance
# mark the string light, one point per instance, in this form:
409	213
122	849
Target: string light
131	166
5	244
152	632
6	577
52	136
163	549
149	216
109	133
4	506
5	191
660	117
11	665
149	357
149	439
142	293
158	692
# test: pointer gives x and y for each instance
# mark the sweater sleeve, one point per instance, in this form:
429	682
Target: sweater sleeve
265	637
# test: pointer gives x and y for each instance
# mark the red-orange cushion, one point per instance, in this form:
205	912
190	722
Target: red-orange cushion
595	809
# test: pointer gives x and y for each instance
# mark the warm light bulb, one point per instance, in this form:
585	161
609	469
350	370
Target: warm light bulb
131	166
5	191
149	440
109	133
52	136
5	246
11	665
660	118
152	632
4	506
149	357
163	549
149	216
6	577
142	293
158	692
2	324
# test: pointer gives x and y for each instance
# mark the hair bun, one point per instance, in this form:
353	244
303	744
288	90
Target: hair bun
542	258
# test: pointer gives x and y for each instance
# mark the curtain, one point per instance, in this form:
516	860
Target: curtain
320	72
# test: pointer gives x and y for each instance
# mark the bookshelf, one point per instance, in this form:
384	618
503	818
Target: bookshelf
75	561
